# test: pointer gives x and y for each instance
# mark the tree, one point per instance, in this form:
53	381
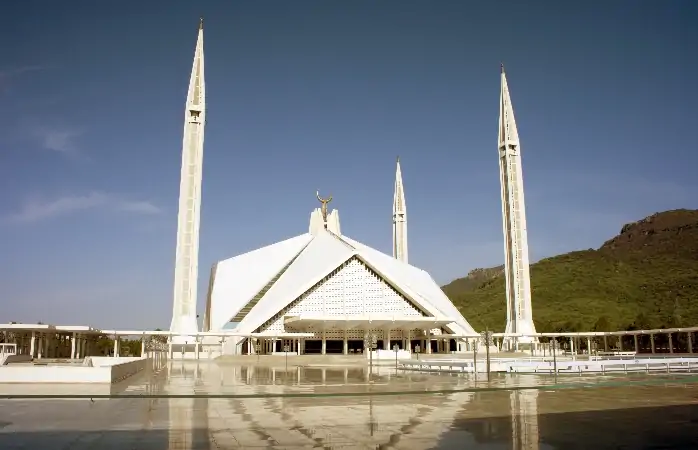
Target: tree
676	321
603	324
159	338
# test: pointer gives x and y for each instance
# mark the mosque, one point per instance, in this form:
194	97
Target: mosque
323	292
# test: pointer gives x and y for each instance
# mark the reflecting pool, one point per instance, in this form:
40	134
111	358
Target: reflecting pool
217	406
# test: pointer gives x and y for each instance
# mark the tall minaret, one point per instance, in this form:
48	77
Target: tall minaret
187	257
518	282
399	218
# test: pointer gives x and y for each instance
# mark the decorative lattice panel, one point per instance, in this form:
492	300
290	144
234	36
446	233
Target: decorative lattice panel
351	290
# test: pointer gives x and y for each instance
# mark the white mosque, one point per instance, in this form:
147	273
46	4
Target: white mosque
323	292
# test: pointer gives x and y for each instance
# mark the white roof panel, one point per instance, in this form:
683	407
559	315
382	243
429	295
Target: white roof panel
239	279
415	280
325	253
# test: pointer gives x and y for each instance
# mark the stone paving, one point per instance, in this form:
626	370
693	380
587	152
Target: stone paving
624	412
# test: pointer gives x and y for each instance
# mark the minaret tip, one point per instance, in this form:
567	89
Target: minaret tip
201	23
398	159
501	67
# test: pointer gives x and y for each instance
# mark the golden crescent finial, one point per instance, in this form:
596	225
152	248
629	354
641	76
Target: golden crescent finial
323	200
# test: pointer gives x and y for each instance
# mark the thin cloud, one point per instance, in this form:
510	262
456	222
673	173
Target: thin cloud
9	76
59	140
141	207
36	210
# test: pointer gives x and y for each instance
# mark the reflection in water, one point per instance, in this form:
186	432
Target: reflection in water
524	419
407	421
181	410
623	416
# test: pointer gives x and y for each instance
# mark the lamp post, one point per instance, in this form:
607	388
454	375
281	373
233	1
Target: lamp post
475	350
396	348
370	342
417	349
487	339
554	356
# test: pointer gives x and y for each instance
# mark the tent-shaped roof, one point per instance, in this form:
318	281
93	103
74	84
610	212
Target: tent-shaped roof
253	287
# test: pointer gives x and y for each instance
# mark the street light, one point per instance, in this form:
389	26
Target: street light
487	338
476	345
370	342
396	348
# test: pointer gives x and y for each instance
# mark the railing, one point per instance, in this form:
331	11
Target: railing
608	365
546	366
7	350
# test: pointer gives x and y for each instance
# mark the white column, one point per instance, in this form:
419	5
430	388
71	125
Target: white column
32	346
196	348
386	339
72	347
428	342
116	346
346	343
324	343
41	346
690	341
143	347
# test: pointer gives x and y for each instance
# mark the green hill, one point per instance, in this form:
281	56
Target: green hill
646	277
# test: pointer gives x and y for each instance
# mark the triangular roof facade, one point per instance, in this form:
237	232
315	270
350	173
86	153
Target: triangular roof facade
253	287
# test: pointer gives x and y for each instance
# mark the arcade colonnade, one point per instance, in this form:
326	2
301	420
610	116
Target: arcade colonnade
346	342
52	344
677	340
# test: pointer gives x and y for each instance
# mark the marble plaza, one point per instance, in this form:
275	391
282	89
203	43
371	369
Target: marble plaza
192	412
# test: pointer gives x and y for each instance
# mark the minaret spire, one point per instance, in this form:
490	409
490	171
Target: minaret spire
187	255
516	266
399	218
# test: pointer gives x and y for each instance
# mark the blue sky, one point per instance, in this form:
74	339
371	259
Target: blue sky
308	95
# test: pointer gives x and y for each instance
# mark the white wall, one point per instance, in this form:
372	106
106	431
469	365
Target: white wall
10	359
104	370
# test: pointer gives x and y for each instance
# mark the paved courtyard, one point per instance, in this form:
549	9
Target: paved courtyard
300	408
